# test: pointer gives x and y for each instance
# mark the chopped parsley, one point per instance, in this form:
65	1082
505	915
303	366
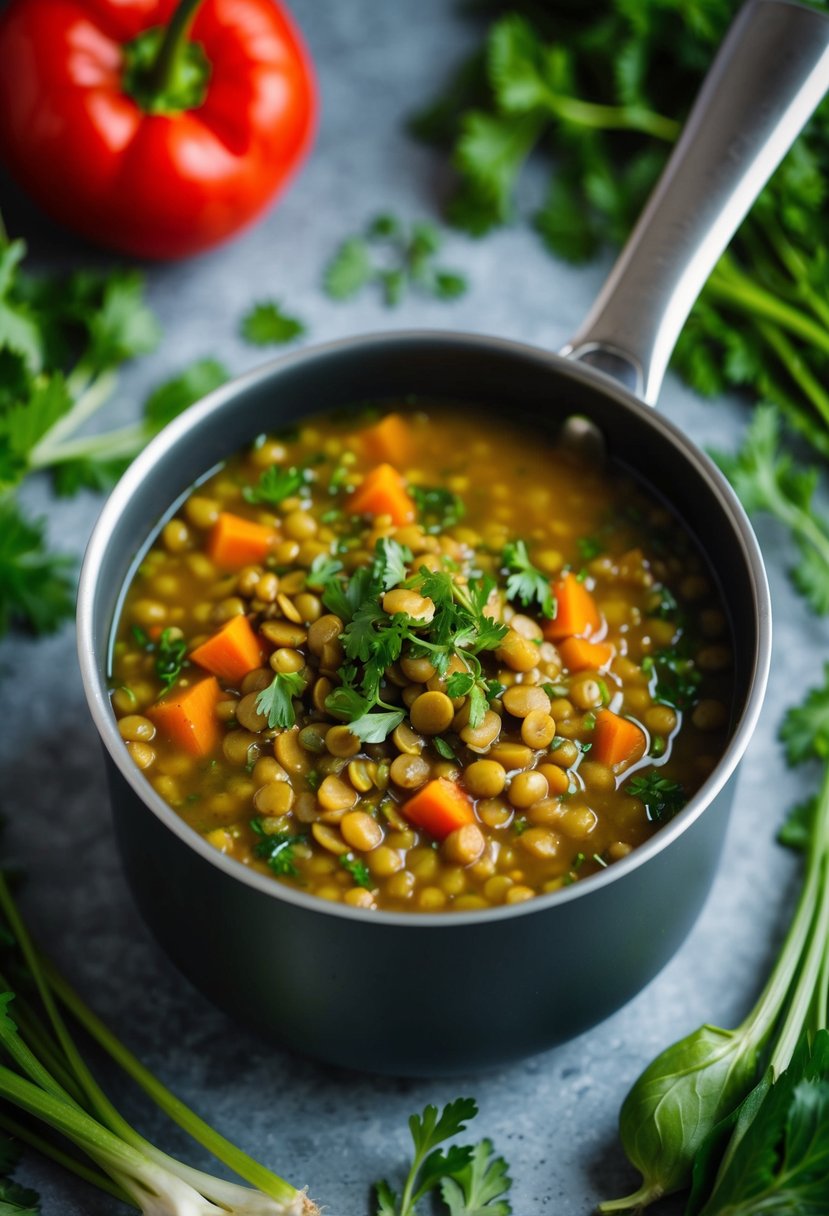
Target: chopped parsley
358	870
676	679
265	324
662	797
437	508
277	849
276	484
170	657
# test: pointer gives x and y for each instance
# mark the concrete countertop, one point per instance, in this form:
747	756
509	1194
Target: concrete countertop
553	1116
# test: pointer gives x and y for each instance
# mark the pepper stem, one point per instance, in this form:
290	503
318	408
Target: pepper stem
164	77
166	72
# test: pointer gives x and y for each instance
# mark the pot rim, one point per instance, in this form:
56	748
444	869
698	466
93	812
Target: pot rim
91	637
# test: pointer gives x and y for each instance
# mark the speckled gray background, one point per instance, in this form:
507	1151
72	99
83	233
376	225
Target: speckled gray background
553	1116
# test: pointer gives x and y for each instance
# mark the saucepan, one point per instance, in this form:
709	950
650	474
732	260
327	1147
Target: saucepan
428	993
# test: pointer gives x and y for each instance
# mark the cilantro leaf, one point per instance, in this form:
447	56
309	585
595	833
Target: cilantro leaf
386	1199
276	701
796	830
525	582
805	727
390	561
395	257
662	797
19	332
121	326
322	571
676	679
35	585
265	324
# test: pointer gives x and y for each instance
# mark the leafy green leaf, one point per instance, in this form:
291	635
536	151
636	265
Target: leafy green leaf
437	508
358	870
17	1200
804	731
276	701
277	849
376	727
276	484
662	797
170	399
386	1199
349	270
796	830
265	324
170	657
121	326
36	588
322	571
525	582
480	1187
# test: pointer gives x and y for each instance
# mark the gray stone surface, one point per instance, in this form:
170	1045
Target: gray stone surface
553	1116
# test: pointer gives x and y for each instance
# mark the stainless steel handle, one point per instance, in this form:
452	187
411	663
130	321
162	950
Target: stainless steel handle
769	75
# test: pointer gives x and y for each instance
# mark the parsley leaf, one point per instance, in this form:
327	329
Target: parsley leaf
358	870
662	797
394	257
796	830
525	582
676	679
277	849
375	727
174	396
276	701
275	484
437	508
265	324
322	571
36	587
170	657
478	1189
805	727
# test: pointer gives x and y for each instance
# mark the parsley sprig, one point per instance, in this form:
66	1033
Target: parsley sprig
469	1179
373	640
663	798
277	700
62	340
276	848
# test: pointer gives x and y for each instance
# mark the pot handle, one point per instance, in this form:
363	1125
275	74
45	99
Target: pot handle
769	75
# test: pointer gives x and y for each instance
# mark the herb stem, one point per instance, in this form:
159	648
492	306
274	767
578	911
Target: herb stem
797	368
611	118
797	268
88	403
730	284
124	442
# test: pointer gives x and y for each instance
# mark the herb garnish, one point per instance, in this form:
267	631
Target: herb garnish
525	582
276	484
170	656
662	797
277	849
437	508
676	679
276	701
358	870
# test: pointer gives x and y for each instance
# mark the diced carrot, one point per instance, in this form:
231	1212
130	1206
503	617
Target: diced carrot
616	741
235	542
187	717
232	651
576	611
578	654
439	808
389	439
383	492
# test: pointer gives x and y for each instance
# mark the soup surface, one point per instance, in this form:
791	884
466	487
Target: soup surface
422	660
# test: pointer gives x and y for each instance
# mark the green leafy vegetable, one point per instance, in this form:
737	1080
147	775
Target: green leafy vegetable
277	849
526	583
276	484
805	727
470	1181
170	656
676	678
358	870
437	508
276	701
397	258
265	324
62	339
767	479
662	797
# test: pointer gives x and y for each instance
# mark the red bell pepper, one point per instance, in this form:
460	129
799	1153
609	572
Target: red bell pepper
155	129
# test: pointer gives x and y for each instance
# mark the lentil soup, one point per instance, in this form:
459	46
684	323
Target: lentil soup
422	660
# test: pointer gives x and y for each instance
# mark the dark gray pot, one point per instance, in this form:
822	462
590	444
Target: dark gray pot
436	993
